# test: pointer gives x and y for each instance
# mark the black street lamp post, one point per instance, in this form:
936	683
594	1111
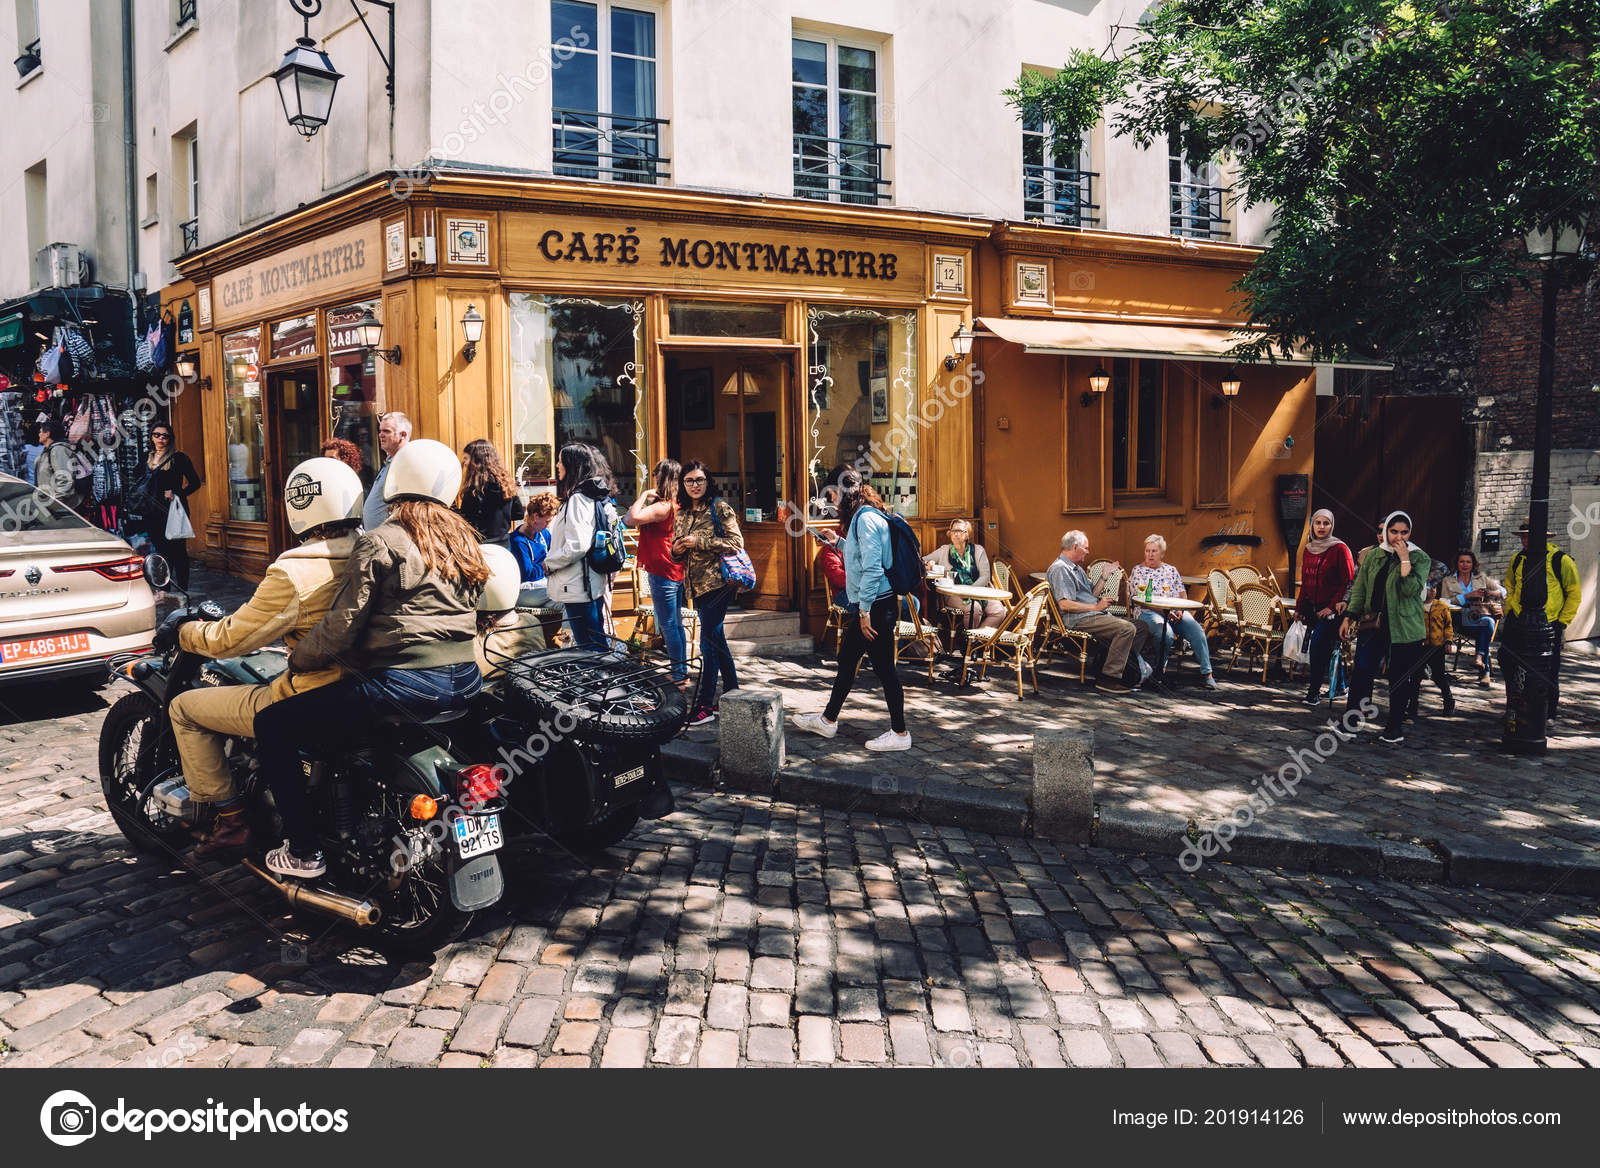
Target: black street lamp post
1528	649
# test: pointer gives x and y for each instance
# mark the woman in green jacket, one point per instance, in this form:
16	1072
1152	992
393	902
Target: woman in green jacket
1386	603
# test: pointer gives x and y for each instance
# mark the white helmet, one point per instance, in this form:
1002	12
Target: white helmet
423	469
505	579
321	490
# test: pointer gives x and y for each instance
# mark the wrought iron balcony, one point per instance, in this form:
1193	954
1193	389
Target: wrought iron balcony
614	147
839	170
1197	211
29	59
1060	195
191	234
185	12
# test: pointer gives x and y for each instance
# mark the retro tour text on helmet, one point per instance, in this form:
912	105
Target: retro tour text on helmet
505	579
423	469
320	491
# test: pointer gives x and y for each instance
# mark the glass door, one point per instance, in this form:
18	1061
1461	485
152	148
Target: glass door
294	399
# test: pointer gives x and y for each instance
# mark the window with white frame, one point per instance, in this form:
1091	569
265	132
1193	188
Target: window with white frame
837	121
28	55
1196	192
605	101
186	187
1057	184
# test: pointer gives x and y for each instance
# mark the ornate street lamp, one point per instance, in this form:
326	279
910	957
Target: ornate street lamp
961	342
370	330
306	78
1528	651
471	332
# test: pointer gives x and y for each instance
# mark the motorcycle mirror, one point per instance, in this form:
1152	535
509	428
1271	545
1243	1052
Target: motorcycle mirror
156	572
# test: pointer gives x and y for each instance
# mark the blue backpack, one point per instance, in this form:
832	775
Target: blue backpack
608	552
905	570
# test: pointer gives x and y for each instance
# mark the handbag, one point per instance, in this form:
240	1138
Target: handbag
736	567
178	526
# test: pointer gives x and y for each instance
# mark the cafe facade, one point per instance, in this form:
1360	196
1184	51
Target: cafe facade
777	340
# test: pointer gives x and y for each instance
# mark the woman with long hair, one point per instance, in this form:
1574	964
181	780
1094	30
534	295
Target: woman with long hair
1386	603
1477	597
586	488
705	530
1326	572
653	514
403	626
867	556
489	499
168	475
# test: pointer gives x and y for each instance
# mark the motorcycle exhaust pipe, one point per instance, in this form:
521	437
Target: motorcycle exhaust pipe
347	908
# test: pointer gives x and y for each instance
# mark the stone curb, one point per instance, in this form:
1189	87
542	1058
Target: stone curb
1458	860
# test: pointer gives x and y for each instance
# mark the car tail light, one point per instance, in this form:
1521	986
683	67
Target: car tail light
127	568
479	787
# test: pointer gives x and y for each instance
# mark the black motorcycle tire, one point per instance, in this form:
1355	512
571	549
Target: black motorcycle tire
643	707
122	777
612	827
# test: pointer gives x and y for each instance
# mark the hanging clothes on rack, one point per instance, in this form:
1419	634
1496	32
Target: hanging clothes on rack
13	435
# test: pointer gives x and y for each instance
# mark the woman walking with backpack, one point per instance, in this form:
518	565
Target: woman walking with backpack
586	487
867	557
705	530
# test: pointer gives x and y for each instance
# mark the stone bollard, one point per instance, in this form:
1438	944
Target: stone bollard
750	733
1063	784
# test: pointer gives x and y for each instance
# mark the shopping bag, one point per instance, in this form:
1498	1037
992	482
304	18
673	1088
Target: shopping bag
1296	644
178	526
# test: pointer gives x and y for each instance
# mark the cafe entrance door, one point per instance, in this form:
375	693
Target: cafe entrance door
730	408
294	407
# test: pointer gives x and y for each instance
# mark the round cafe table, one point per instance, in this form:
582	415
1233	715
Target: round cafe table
972	594
1165	604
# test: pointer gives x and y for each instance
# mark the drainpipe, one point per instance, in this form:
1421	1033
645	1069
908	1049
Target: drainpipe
130	158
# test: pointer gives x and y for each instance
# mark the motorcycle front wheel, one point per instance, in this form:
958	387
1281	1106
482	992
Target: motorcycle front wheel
134	753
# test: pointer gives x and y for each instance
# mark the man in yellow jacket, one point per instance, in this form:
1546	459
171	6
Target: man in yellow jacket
1561	598
323	501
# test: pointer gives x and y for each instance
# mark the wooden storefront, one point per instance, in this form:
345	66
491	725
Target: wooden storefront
776	340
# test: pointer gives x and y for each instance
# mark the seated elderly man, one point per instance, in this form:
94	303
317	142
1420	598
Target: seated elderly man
1083	611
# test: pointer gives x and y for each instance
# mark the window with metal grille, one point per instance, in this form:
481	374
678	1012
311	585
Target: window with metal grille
837	122
1196	191
1057	184
605	104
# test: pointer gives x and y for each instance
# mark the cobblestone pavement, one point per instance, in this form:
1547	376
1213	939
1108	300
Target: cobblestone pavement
739	931
1197	753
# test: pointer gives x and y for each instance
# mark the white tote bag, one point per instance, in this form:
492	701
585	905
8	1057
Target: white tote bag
178	526
1296	644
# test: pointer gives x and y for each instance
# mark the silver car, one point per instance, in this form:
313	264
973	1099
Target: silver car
71	595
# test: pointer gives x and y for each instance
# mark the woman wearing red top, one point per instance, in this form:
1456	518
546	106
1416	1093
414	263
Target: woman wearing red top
1325	577
653	514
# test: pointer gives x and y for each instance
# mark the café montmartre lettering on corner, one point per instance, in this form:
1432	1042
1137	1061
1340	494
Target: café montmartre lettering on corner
312	271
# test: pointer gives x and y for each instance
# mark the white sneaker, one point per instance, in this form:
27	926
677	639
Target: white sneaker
889	740
817	724
1145	670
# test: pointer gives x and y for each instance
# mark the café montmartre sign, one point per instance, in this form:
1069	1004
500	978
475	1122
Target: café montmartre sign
317	270
666	252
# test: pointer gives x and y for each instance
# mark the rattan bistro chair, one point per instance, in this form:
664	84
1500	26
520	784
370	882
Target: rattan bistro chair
1113	586
1221	622
916	631
1014	640
1006	580
1071	642
1258	624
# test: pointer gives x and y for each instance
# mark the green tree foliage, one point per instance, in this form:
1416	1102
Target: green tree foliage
1404	147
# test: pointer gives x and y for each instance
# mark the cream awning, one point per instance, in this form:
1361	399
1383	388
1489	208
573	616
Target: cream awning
1121	339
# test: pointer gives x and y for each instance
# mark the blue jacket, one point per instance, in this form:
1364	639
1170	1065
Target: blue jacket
529	551
867	555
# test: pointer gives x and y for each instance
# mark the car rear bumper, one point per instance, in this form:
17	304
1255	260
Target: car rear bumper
89	663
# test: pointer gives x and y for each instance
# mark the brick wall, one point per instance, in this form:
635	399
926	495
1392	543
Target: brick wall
1502	480
1507	372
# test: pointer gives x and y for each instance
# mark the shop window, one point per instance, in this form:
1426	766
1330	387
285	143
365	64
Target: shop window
576	367
295	337
696	318
245	421
355	379
862	408
604	106
1196	191
837	154
1138	426
1057	184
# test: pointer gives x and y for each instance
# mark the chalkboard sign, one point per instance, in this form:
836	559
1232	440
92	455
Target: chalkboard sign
1294	499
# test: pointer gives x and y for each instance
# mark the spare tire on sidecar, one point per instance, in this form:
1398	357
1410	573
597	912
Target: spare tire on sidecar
603	696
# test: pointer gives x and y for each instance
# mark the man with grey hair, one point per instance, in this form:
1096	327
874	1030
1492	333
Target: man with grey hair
1082	610
394	431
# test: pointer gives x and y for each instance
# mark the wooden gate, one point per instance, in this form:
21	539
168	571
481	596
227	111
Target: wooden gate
1401	454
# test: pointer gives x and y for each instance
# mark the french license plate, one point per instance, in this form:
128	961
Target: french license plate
43	648
627	777
476	835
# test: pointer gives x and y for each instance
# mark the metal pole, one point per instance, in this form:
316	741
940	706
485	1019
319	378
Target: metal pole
1529	652
130	154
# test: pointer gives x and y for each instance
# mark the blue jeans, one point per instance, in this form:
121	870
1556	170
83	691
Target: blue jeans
668	598
715	656
588	625
1163	633
320	721
1483	631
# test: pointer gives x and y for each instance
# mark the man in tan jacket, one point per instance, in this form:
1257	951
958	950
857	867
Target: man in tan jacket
323	501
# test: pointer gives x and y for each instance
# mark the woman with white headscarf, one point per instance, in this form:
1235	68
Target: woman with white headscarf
1386	603
1326	572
